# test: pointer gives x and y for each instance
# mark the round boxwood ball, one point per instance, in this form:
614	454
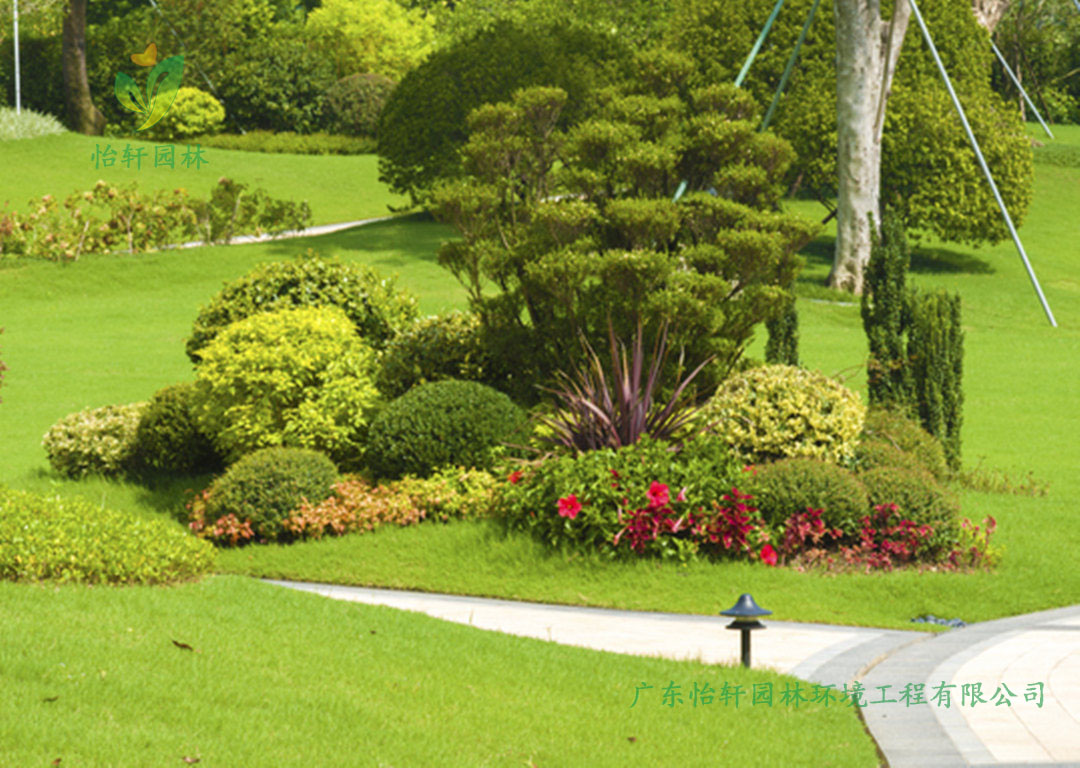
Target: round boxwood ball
438	424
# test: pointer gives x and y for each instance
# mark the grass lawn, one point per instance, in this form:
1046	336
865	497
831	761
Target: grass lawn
338	188
92	678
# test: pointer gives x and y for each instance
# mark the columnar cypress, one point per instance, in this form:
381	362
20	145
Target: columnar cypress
884	315
936	352
783	344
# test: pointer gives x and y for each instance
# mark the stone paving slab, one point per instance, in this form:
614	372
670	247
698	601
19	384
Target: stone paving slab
821	653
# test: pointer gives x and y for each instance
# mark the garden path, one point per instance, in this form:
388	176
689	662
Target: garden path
1035	648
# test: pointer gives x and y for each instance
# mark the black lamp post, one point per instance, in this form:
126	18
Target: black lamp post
746	613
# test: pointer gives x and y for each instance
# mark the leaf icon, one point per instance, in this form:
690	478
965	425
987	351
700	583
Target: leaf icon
169	72
129	95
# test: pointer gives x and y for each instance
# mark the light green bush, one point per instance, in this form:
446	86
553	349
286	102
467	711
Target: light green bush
779	411
374	36
193	113
96	440
71	540
296	377
27	125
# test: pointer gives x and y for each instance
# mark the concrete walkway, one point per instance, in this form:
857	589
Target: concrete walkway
1008	656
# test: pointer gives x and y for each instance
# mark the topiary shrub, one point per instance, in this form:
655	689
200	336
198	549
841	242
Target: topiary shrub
919	497
167	438
790	486
353	104
779	411
265	487
874	453
193	113
431	349
439	424
372	303
71	540
96	440
295	377
906	435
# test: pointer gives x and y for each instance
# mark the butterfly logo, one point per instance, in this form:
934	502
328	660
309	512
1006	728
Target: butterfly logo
164	78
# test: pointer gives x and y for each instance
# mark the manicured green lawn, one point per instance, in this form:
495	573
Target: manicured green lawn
338	188
278	678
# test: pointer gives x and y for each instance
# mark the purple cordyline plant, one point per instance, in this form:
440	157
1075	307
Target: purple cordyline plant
611	411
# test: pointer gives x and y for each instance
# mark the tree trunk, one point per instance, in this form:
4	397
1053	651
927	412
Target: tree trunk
989	12
82	115
866	54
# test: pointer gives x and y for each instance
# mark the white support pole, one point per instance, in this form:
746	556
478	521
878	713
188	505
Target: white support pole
18	93
1016	80
982	161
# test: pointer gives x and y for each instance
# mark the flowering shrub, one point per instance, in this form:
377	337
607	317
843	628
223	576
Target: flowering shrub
643	499
973	549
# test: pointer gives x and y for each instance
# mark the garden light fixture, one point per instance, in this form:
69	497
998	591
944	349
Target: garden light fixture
746	613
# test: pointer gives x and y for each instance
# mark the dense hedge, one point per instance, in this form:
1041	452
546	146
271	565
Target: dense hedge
72	540
442	423
907	435
789	487
167	438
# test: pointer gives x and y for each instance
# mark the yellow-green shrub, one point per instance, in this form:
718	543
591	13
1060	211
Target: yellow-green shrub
71	540
193	113
296	377
779	411
95	440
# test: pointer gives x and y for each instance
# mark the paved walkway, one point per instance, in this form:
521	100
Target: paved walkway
1017	652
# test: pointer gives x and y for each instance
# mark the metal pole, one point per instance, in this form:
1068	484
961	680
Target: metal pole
757	45
982	162
1016	80
1077	4
18	89
790	65
745	643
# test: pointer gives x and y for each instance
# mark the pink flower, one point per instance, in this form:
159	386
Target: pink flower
751	469
682	494
515	476
658	495
768	554
569	506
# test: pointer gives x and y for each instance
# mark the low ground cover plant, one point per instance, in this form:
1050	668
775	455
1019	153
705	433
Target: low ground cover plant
71	540
289	142
439	424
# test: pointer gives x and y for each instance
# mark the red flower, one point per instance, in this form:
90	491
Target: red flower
515	476
751	469
569	506
658	495
768	554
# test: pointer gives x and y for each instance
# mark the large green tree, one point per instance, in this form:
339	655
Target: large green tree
868	134
563	229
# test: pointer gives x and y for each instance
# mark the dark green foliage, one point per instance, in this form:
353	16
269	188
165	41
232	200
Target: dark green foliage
431	349
353	104
787	487
423	124
905	434
265	486
885	315
919	497
875	453
373	304
936	351
783	344
167	439
442	423
292	143
41	94
552	251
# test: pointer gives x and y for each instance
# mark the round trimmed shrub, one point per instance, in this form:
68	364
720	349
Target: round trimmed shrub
875	453
265	487
780	411
439	424
373	304
96	440
296	377
907	435
919	496
193	113
353	104
72	540
787	487
431	349
167	438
